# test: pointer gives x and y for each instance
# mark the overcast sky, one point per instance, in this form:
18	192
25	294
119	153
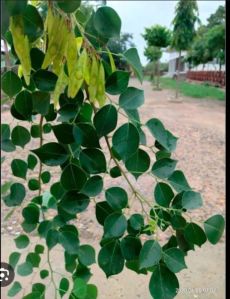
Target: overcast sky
136	15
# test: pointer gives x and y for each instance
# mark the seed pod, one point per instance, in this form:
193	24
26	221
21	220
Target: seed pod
76	80
20	71
21	45
57	42
71	54
93	80
87	70
79	41
60	86
112	63
100	96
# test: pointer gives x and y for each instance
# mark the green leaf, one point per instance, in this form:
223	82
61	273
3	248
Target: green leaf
33	23
214	228
178	222
35	131
39	249
115	172
164	137
134	266
163	194
135	223
172	242
5	131
85	135
138	163
69	6
14	258
45	80
93	186
105	120
86	255
164	167
15	289
73	177
44	274
110	258
34	184
23	104
47	128
52	238
107	22
131	247
117	198
162	154
19	168
132	98
22	241
51	154
91	292
39	288
7	146
33	295
115	225
63	286
191	200
183	244
68	237
73	202
64	133
150	254
37	58
174	259
11	83
34	259
51	116
25	269
80	288
41	102
132	57
20	136
31	161
15	7
195	234
31	213
126	140
5	187
16	196
117	82
45	177
103	210
163	283
92	161
178	181
15	113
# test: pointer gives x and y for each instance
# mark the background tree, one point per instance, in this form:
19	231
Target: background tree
186	16
157	37
209	42
154	55
120	45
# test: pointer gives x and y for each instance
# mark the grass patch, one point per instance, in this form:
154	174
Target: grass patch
194	90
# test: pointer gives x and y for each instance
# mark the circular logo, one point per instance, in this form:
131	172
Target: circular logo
6	274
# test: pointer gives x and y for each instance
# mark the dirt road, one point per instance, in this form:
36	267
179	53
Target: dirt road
200	126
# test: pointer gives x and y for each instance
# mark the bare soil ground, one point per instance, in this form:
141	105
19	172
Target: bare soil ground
200	126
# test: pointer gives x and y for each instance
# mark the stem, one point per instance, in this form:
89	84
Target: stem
40	165
118	165
51	273
178	75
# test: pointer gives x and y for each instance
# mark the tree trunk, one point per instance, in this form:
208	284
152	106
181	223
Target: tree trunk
158	75
178	75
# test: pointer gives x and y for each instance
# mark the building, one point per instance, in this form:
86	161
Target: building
184	67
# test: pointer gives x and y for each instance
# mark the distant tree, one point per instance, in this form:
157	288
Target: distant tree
120	45
157	37
217	18
186	16
209	43
154	54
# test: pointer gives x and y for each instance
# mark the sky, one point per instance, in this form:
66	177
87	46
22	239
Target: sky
136	15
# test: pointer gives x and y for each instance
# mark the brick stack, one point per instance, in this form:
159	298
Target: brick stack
212	77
